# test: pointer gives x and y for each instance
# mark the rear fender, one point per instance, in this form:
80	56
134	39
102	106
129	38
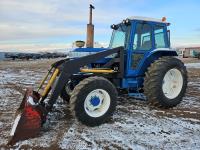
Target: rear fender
155	55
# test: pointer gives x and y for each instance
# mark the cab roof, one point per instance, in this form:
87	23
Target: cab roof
148	19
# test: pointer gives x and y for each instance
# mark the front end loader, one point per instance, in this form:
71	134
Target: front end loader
33	111
138	63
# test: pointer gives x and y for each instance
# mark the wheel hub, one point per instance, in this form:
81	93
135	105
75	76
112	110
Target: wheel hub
172	83
95	101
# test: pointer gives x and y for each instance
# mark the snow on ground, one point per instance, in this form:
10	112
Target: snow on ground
193	65
135	125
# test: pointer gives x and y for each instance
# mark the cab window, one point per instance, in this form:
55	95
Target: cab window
142	37
159	37
120	36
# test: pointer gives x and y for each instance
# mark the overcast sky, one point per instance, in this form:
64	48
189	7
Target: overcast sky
55	24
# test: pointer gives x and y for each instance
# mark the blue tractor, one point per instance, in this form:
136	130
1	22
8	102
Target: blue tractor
139	63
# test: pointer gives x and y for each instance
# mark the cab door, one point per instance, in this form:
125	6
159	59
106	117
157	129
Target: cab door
142	44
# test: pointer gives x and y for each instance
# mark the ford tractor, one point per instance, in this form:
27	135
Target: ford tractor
138	63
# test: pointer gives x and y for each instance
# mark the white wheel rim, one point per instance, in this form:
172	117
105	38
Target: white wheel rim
97	103
172	83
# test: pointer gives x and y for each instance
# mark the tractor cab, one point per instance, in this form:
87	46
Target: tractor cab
140	31
140	38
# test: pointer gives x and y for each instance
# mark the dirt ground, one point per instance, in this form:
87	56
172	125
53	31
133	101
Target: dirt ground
135	125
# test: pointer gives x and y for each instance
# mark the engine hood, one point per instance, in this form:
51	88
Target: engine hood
80	52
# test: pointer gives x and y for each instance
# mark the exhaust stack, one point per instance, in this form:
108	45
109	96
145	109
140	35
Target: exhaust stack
90	30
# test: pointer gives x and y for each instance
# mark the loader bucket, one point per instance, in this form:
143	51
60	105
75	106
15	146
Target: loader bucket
28	118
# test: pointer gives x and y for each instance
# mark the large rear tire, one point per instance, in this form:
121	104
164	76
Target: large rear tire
165	82
93	100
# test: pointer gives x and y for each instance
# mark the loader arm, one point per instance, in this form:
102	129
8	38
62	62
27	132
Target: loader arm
70	67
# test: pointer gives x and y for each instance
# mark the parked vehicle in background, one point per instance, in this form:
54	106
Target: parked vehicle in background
11	56
189	52
2	55
28	56
196	54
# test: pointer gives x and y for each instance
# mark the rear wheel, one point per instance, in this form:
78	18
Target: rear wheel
165	82
93	100
67	91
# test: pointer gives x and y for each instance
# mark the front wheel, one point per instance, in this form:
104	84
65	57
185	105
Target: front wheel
93	100
165	82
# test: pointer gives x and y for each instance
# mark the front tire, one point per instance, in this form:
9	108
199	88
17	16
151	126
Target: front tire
93	100
165	82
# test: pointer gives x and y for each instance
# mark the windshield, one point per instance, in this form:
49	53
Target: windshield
120	36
